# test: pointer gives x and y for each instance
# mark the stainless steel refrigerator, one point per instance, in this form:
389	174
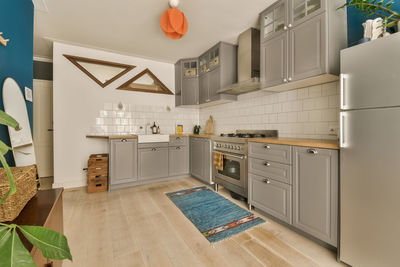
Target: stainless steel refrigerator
370	154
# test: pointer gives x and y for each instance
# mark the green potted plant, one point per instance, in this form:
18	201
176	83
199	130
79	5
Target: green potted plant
13	253
380	8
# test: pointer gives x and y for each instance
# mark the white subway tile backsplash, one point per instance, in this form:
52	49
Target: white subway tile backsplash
303	113
315	91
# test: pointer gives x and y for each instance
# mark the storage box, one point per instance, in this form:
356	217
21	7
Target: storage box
97	177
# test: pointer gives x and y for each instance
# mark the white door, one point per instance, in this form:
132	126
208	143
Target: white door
43	126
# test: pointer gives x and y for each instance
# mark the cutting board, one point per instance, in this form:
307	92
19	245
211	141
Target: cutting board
210	126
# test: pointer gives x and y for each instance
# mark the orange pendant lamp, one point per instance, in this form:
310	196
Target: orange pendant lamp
173	22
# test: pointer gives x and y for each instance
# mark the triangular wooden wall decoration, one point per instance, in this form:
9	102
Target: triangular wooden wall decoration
146	82
120	69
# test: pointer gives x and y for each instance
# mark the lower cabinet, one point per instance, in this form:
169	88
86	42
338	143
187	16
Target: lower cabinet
315	192
178	160
123	161
200	158
303	193
271	196
153	163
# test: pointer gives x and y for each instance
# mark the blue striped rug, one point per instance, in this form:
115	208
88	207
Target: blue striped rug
216	217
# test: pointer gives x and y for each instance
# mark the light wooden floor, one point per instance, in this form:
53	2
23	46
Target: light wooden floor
140	226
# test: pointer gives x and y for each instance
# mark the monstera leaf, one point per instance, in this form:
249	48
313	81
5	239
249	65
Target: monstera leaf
12	251
52	244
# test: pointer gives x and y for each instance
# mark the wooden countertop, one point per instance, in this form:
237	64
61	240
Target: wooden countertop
112	136
38	210
135	136
329	144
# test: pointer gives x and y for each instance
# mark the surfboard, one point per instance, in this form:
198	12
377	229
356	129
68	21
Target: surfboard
15	106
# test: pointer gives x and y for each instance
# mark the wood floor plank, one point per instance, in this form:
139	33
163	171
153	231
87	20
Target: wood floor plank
284	250
140	226
265	255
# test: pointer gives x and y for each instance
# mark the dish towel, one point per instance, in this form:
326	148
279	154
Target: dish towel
219	161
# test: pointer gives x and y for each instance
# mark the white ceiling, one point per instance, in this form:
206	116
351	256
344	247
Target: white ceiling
132	27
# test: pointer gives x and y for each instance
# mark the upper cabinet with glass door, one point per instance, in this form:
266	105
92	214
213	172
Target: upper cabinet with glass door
302	10
190	69
274	20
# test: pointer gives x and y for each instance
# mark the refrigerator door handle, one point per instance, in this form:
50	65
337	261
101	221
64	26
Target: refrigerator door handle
342	90
342	130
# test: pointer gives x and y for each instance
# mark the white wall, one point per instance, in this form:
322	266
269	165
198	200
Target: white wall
79	104
303	113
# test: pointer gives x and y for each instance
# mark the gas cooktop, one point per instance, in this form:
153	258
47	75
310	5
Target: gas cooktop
244	135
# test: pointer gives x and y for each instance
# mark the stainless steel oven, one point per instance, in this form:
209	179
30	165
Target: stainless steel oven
233	147
234	169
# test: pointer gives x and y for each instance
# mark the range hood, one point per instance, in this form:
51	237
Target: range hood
248	65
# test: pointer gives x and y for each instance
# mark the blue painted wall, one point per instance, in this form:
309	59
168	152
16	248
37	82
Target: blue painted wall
355	21
16	60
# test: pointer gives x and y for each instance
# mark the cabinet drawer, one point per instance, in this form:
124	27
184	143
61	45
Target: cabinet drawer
272	152
96	168
272	170
271	196
178	141
97	177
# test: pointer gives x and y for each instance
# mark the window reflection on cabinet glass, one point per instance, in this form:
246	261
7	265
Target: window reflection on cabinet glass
190	69
268	19
313	5
203	65
214	58
304	8
300	12
275	20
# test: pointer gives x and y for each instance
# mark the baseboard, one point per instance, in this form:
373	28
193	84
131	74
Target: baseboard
70	184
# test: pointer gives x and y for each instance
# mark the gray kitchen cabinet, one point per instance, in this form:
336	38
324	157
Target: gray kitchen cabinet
200	158
153	162
178	160
178	83
203	89
271	152
308	53
123	161
271	196
197	157
217	70
295	37
273	67
187	82
274	20
176	140
315	192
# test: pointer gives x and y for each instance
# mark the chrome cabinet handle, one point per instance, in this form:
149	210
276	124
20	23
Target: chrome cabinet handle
267	181
290	79
290	26
178	147
154	149
312	151
285	28
267	147
124	140
285	80
267	164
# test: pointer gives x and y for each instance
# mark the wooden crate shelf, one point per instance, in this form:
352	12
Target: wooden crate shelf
97	177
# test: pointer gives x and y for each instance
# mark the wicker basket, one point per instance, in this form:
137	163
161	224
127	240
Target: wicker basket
25	180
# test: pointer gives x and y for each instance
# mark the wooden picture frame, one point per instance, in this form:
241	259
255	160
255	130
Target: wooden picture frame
145	88
75	60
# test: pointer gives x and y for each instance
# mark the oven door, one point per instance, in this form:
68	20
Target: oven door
234	169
